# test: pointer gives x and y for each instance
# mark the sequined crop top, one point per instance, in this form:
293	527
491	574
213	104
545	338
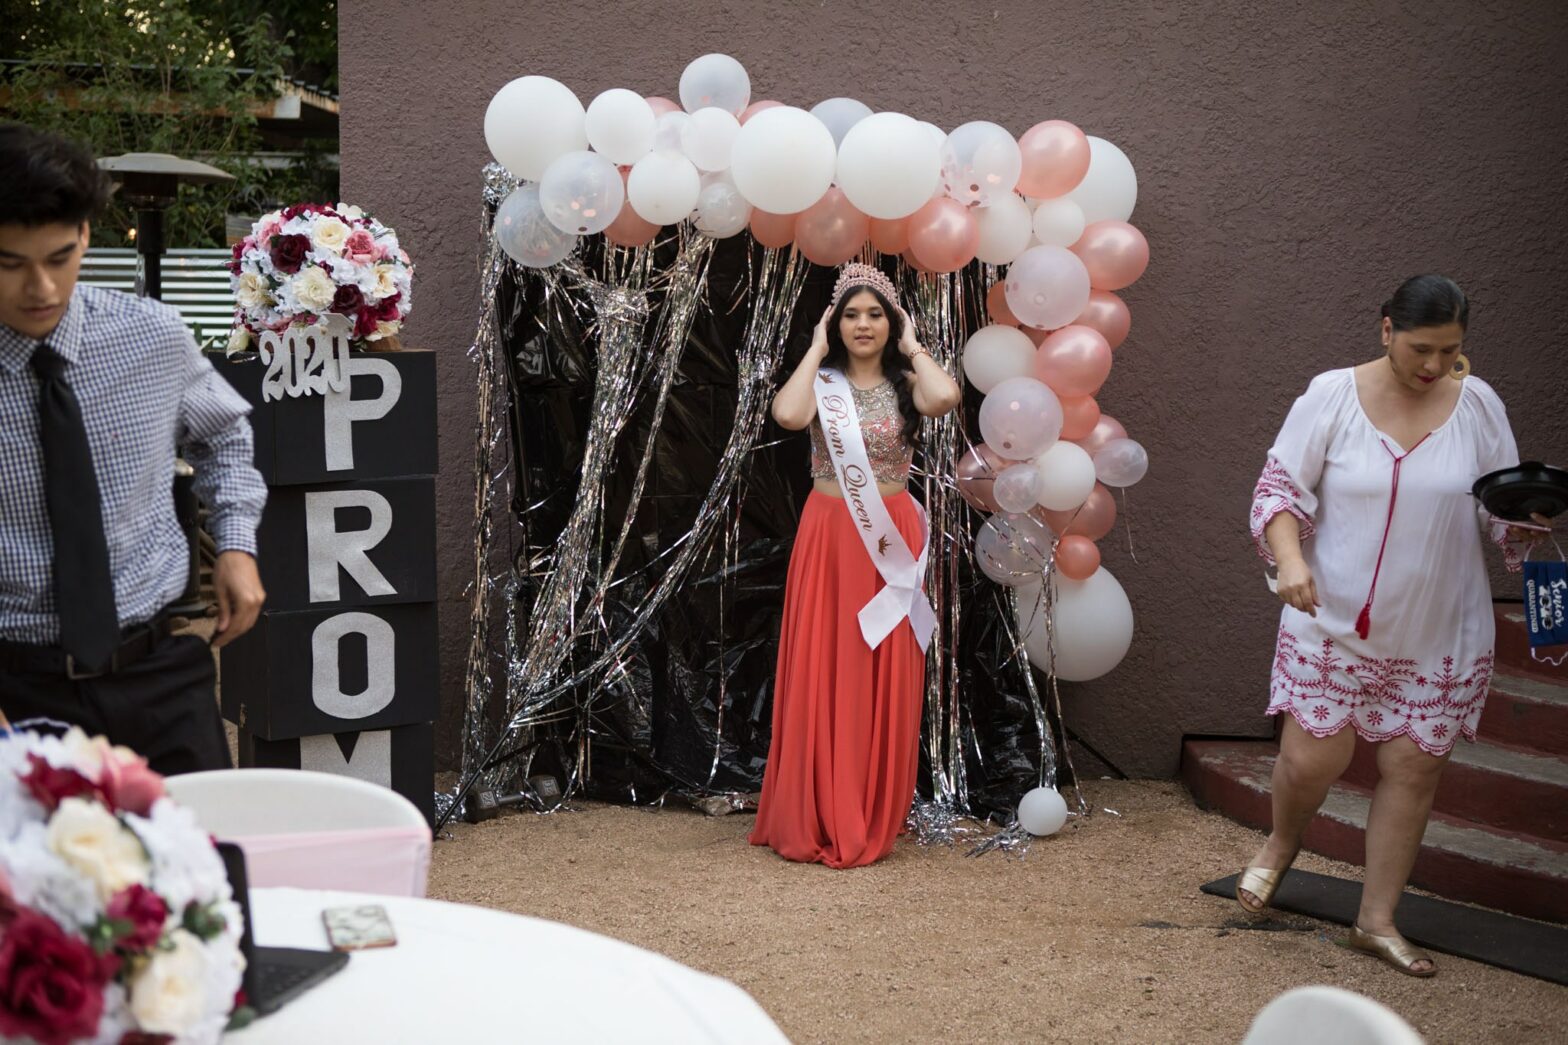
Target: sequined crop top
882	427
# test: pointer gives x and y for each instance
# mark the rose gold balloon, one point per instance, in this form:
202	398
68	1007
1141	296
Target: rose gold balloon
755	107
943	234
890	235
1094	520
1108	314
996	304
660	106
772	230
1056	157
977	471
914	262
630	229
1074	361
1079	416
1105	429
1114	252
831	230
1036	335
1077	557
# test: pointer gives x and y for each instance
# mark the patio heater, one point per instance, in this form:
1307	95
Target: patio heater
150	183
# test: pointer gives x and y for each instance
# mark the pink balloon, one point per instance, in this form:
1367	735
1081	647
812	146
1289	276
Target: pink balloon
1074	361
755	107
996	304
890	235
943	234
772	230
1056	157
660	106
1077	557
1105	429
831	230
1079	416
1114	252
977	471
1036	335
1094	520
914	262
1108	314
630	229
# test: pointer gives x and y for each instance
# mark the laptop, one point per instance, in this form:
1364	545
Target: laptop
274	976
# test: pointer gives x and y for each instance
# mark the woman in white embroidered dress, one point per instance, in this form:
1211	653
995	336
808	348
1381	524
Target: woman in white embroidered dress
1387	626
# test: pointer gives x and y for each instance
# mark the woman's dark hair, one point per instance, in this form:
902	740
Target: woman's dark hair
895	365
1427	301
48	179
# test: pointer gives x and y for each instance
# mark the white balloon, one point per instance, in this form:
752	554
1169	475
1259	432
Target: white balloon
995	353
620	125
980	161
524	232
1109	190
530	122
721	210
1047	287
1042	811
1121	462
1016	487
663	187
718	80
1013	549
581	193
937	135
1005	229
1093	626
707	138
1066	476
669	129
1020	418
783	160
1058	222
838	115
887	166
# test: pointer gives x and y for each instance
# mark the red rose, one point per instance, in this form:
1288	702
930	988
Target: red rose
387	310
51	984
8	907
146	912
51	786
288	252
141	1037
347	300
365	322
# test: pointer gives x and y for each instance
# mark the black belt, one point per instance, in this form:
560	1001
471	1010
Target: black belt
136	642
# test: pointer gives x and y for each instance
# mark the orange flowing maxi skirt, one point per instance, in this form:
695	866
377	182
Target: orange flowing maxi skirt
846	718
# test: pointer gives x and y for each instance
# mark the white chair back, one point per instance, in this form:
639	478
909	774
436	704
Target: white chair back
1323	1015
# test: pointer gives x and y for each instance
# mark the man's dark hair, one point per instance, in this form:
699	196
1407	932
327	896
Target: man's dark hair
47	179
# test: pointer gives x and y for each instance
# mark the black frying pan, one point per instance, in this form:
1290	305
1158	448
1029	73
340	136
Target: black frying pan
1516	493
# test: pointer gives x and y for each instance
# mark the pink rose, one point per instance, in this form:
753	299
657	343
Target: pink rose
361	247
51	984
128	784
51	786
144	910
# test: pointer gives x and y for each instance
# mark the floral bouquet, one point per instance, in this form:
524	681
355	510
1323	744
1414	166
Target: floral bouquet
117	923
311	260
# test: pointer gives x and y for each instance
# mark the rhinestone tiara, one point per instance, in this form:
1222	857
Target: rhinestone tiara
856	274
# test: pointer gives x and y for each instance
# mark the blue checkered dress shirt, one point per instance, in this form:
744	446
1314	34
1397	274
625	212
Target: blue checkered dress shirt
143	387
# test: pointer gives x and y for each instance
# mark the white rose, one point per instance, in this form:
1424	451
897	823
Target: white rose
239	340
166	997
349	211
385	328
386	281
88	837
329	234
314	289
253	290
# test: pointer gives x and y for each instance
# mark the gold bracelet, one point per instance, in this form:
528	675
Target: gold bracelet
921	351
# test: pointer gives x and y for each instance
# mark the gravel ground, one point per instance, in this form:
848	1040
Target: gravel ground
1096	935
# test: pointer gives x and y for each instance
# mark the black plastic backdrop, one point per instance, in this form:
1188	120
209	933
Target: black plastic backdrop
652	730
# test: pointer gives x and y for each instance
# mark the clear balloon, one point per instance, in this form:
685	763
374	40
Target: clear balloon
1066	477
670	129
1012	549
1017	487
1114	252
717	80
1074	361
995	353
707	138
943	235
722	211
663	187
1047	287
890	235
1005	229
783	160
888	166
1057	223
838	115
831	230
620	125
1109	189
1092	632
1108	314
1121	462
980	162
527	236
772	230
1077	557
1020	418
530	122
1042	811
1079	416
1055	159
976	474
1094	519
996	304
582	192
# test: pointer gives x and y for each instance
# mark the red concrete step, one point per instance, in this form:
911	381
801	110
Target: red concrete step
1526	711
1459	859
1513	645
1509	788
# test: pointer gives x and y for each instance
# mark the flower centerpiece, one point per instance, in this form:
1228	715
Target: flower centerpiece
313	260
117	923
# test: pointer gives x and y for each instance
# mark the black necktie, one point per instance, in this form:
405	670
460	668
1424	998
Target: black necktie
83	588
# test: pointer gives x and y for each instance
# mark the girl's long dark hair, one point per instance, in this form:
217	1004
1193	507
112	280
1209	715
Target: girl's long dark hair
896	367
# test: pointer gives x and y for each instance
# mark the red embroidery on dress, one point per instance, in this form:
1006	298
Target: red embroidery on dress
1276	492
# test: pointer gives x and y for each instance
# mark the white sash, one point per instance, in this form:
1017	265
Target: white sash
902	596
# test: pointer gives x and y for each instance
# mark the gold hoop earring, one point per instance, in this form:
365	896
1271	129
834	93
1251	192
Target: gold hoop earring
1461	368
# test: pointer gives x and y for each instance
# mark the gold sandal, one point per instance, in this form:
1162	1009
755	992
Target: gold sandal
1261	882
1395	950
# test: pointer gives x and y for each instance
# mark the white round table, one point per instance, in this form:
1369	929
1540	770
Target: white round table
468	974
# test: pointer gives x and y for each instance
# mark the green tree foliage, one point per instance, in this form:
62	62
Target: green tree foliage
186	77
